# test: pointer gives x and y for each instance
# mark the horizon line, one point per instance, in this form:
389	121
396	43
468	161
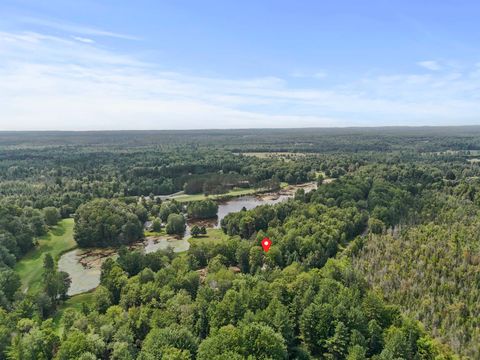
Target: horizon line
245	129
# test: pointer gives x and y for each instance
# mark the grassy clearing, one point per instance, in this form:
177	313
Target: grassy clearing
197	197
75	302
269	155
155	233
56	242
232	193
213	235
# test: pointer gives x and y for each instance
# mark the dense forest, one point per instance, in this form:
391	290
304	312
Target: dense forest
380	261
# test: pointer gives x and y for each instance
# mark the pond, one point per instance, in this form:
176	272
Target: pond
84	265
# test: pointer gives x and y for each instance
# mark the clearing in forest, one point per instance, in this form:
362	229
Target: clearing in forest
58	240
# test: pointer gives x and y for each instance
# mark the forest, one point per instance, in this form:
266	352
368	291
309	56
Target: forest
380	260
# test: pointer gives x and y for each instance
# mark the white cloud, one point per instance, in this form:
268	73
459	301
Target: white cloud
82	39
430	65
77	29
49	82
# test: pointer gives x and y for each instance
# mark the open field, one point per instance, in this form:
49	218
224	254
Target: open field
269	155
56	242
162	232
213	235
231	193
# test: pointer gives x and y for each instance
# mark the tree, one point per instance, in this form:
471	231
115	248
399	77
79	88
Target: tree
242	256
202	209
113	278
132	261
175	224
37	343
78	344
195	231
320	179
102	222
300	195
254	341
56	283
7	259
376	338
450	175
44	304
48	264
262	342
277	316
9	282
122	350
316	326
375	226
356	352
141	213
157	225
337	345
227	340
160	341
37	221
52	215
64	282
255	258
167	208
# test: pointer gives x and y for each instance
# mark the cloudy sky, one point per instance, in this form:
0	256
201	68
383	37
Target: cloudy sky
95	65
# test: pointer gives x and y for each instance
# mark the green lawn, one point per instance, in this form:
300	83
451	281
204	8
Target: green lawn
197	197
56	242
233	192
213	235
155	233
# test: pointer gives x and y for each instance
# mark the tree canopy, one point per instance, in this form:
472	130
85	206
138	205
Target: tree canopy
103	222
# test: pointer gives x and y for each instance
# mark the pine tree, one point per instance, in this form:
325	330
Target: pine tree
337	345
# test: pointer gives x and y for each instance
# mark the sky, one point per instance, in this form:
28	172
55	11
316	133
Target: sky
211	64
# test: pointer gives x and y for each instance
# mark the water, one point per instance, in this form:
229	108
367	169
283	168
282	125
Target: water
154	243
84	270
84	266
247	202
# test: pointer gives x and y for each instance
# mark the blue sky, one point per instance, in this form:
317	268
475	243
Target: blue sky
87	65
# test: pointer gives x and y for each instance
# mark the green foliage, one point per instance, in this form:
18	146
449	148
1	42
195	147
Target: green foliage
55	284
161	341
157	225
102	299
30	268
79	344
175	224
252	340
195	231
375	226
435	269
203	209
52	215
226	298
103	223
167	208
35	342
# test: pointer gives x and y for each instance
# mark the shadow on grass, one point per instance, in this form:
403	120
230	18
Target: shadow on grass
58	230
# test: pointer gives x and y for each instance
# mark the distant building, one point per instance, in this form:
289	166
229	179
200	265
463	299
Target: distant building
148	226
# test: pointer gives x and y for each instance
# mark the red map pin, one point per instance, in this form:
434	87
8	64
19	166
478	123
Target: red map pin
266	243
